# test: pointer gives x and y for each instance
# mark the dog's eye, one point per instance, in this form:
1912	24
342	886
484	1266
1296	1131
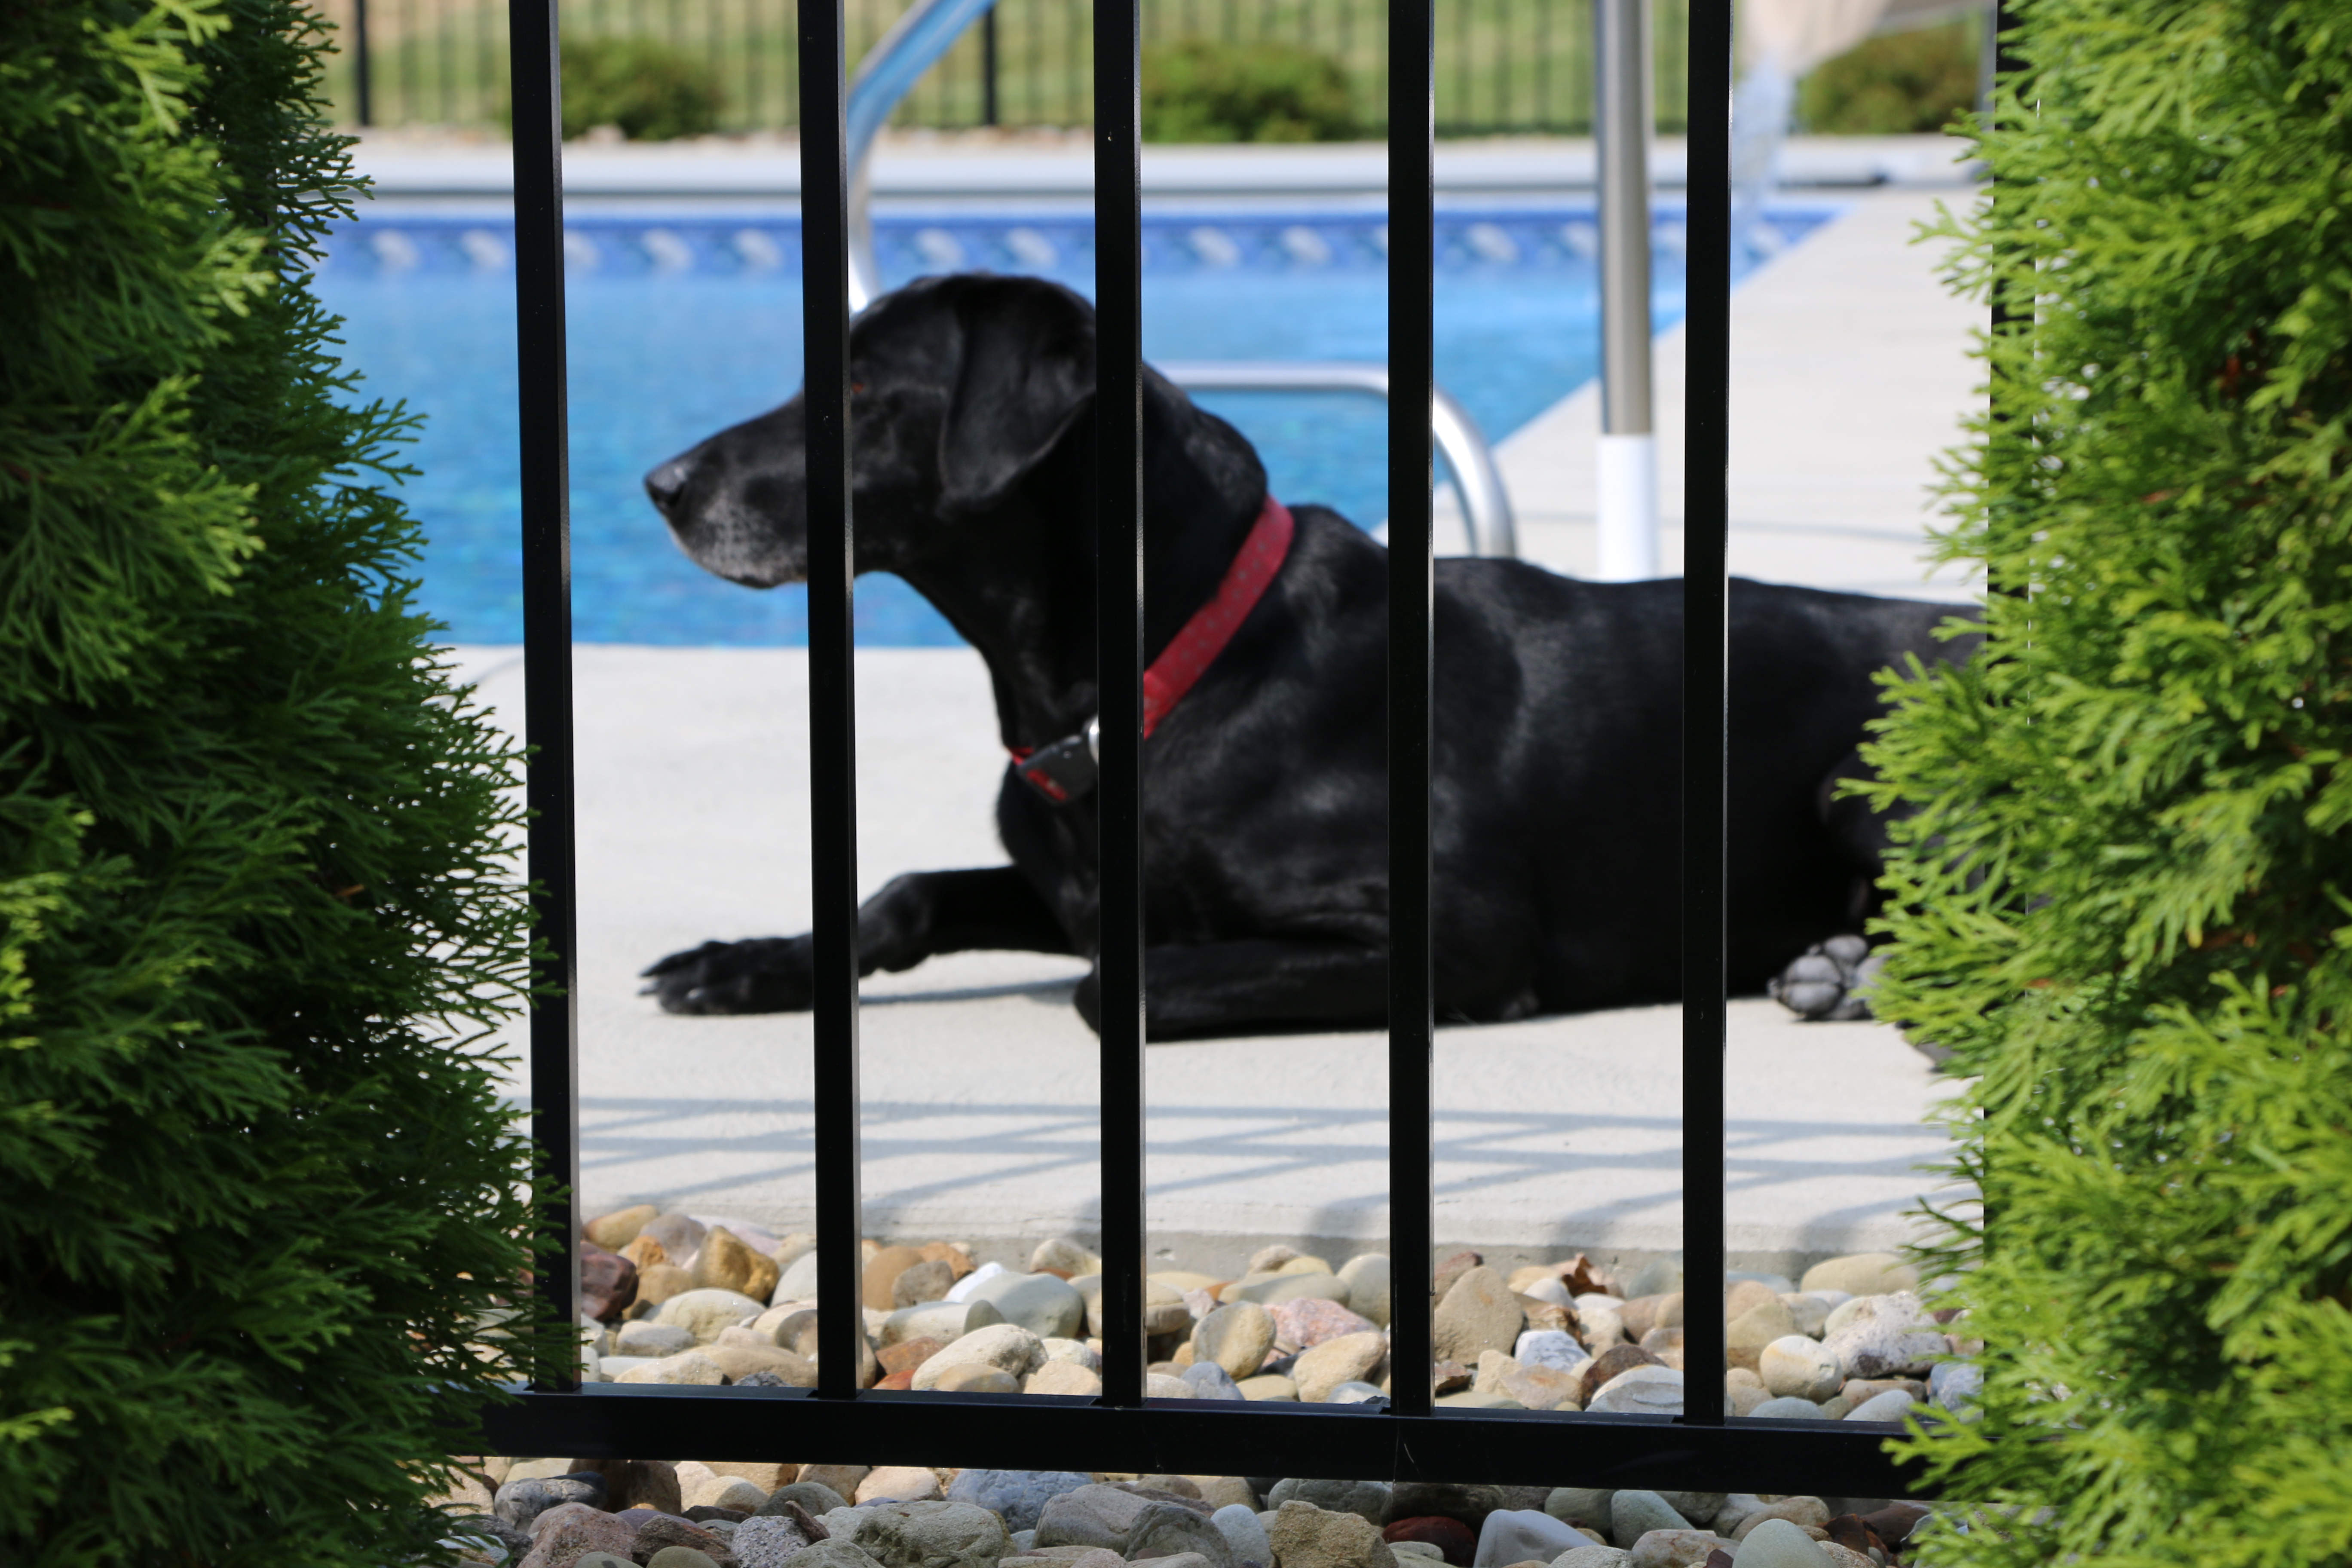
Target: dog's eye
856	387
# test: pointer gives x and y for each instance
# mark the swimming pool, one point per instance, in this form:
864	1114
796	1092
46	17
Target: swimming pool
678	326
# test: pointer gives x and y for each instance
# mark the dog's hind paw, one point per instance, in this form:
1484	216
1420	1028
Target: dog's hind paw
768	975
1830	983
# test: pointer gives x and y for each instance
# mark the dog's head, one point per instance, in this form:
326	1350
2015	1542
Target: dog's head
959	387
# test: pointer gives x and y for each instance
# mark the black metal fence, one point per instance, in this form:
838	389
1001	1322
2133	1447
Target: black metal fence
1407	1436
1503	65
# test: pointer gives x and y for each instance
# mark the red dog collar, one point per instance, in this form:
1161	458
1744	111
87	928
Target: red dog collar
1065	770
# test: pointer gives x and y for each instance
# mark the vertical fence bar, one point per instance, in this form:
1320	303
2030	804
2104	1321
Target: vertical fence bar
1412	100
547	641
1118	652
361	105
988	68
1706	653
833	716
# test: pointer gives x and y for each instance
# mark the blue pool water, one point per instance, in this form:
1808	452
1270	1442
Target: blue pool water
679	328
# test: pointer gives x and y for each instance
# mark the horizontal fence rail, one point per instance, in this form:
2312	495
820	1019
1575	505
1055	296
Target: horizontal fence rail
1406	1436
1503	65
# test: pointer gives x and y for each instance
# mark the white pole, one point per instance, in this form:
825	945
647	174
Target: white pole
1627	465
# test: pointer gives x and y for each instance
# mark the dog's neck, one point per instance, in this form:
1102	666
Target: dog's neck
1020	585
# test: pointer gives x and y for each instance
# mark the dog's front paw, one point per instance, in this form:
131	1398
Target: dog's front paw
1830	983
769	975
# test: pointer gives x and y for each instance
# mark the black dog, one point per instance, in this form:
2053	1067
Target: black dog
1557	702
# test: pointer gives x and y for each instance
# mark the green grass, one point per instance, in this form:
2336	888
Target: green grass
1502	65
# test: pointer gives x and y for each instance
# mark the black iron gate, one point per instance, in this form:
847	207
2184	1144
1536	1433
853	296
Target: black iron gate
1408	1437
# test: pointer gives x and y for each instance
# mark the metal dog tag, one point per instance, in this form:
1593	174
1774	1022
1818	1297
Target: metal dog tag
1061	771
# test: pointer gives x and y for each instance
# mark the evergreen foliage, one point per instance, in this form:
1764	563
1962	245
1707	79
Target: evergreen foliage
1199	89
258	1191
644	89
1923	79
2126	896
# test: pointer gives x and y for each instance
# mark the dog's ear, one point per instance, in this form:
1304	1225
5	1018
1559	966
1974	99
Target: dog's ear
1027	372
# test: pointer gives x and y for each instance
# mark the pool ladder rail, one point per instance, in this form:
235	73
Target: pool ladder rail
926	30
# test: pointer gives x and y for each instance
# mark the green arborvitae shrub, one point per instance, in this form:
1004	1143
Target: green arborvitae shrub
2125	898
257	1189
1197	89
647	90
1924	78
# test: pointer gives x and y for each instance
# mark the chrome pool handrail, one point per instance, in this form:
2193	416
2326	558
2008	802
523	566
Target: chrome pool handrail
1470	460
925	31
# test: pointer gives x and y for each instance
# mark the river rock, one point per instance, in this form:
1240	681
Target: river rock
1956	1385
665	1532
1586	1506
1343	1359
1045	1306
647	1337
1064	1377
1885	1336
1793	1366
765	1543
1808	1512
680	1235
1469	1502
1210	1381
1174	1529
1640	1391
881	1273
1245	1538
520	1502
1071	1258
798	1281
1479	1313
1608	1365
1592	1557
1311	1320
814	1499
1018	1496
1367	1500
1271	1289
1270	1386
1008	1347
1745	1336
1305	1536
1812	1313
1369	1277
928	1280
823	1554
1092	1515
1675	1549
1777	1544
608	1282
1236	1337
1453	1541
975	1377
931	1535
701	1487
615	1230
1891	1405
741	1361
726	1263
1787	1407
1515	1535
1632	1514
899	1483
704	1312
1553	1348
1861	1273
1530	1387
566	1534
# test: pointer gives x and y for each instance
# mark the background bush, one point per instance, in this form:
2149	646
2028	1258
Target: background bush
650	90
257	1191
1922	80
1198	89
2126	900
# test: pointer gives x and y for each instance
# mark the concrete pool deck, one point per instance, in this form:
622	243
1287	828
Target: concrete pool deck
979	1121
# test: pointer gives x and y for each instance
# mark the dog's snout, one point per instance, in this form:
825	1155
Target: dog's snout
668	482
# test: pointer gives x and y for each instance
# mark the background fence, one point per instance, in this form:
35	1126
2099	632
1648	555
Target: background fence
1503	65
